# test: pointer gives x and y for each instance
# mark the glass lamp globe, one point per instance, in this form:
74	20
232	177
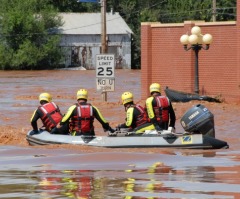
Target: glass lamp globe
207	39
193	39
184	39
196	30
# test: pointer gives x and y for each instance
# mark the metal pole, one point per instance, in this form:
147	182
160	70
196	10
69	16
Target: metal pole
196	50
103	37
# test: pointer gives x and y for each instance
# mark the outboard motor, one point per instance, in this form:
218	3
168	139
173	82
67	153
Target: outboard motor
198	120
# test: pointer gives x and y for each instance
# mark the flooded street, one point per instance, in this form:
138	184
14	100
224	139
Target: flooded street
70	171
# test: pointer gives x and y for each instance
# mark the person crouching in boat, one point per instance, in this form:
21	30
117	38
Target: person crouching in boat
81	116
160	110
50	115
136	116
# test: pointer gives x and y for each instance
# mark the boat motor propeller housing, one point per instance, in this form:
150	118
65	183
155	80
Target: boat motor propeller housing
198	120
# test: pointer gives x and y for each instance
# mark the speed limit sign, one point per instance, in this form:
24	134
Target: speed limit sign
105	65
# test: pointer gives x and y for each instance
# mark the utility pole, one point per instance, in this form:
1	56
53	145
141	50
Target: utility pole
214	5
104	27
103	37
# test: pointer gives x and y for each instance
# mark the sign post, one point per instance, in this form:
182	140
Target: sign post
108	83
105	79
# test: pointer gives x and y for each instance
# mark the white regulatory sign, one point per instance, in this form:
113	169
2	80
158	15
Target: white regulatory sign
105	84
105	65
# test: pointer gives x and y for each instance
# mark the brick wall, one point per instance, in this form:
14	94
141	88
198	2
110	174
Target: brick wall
238	47
164	60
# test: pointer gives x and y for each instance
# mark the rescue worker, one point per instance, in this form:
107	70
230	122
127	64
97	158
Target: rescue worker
136	115
50	115
81	116
160	110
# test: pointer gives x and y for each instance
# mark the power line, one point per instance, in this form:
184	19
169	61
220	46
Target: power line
180	14
192	11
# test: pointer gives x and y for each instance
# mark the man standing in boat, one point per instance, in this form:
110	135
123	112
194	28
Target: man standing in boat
136	116
160	110
50	115
81	116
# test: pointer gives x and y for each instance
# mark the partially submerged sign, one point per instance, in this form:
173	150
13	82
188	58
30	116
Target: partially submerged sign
105	84
105	65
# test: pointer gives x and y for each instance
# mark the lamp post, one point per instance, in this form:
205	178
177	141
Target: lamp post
197	41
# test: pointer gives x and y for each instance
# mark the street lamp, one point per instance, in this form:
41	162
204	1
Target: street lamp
197	41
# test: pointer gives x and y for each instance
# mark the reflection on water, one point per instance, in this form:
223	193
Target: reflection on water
155	181
72	184
29	173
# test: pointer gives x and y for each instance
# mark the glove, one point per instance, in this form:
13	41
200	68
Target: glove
157	128
111	129
111	132
172	129
118	127
34	132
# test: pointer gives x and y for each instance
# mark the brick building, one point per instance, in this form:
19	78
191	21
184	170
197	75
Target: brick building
164	60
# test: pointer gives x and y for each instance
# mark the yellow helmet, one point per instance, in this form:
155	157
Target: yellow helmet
127	97
45	97
82	94
155	87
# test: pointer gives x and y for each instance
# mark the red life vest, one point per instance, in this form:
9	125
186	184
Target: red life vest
142	118
51	115
83	120
161	110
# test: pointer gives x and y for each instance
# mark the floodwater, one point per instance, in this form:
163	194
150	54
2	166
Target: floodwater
63	171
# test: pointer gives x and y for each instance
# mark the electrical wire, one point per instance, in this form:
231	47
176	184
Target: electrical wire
138	11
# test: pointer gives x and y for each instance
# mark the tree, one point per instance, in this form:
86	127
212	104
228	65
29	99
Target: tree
74	6
174	11
26	39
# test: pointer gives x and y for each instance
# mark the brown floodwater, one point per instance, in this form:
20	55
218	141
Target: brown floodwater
70	171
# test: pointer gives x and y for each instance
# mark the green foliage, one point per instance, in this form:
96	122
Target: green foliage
185	10
74	6
25	35
226	10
